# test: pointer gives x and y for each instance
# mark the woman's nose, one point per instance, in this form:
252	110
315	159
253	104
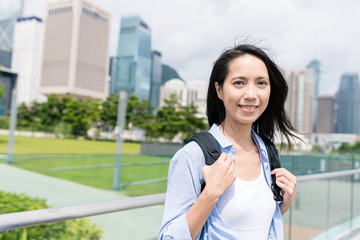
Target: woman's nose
250	92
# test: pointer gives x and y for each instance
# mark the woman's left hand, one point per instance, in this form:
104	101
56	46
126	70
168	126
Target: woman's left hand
287	182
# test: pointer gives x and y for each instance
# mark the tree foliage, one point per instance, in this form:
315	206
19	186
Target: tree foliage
347	147
174	119
71	116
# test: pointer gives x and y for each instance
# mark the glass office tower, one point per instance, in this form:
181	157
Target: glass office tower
348	104
10	10
133	62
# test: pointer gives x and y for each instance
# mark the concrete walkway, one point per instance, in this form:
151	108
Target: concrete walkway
142	224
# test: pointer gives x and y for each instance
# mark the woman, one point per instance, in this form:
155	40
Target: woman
245	103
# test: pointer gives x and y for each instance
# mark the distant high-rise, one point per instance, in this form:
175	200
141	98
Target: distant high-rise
7	85
348	104
26	60
75	53
133	63
10	10
315	65
325	122
156	71
173	87
196	94
299	104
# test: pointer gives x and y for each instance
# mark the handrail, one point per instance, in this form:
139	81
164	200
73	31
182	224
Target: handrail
43	216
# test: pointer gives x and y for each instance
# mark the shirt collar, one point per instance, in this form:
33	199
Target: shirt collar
219	136
225	142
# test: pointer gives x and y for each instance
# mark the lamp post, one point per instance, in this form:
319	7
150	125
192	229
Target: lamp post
120	126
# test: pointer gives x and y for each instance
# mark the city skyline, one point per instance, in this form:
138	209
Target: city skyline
191	34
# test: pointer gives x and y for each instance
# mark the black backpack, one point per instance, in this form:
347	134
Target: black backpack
211	150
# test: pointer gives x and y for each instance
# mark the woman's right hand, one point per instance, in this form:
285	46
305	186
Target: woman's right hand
220	175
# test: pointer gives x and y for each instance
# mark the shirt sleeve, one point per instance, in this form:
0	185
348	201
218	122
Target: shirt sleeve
184	187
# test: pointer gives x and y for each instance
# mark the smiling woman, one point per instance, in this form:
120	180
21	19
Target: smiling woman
245	106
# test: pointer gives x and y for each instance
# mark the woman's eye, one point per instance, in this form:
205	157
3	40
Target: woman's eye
263	83
238	83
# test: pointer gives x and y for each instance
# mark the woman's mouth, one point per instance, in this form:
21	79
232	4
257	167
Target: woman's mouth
248	108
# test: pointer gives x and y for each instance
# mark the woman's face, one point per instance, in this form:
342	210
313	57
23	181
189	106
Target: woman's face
246	90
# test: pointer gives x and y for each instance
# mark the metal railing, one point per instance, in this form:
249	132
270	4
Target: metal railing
38	217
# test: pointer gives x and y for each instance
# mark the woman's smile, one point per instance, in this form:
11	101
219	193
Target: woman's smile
248	108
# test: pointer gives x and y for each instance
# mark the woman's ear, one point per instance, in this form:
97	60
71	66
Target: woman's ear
218	90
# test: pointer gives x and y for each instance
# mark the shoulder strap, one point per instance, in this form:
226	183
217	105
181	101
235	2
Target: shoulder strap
208	145
274	163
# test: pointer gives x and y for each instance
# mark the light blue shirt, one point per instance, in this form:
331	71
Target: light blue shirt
184	187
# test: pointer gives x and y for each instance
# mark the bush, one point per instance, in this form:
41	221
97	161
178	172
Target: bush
73	229
4	123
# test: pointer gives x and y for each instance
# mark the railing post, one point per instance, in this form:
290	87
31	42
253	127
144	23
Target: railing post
119	140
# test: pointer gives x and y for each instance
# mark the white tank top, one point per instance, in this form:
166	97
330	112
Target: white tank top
248	208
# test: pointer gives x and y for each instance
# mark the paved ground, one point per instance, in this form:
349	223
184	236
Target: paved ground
142	224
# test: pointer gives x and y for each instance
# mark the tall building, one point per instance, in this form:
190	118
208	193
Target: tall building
26	60
348	104
196	94
325	122
10	10
173	86
315	65
7	85
133	65
156	72
75	53
300	101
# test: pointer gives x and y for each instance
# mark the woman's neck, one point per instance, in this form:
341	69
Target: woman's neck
239	135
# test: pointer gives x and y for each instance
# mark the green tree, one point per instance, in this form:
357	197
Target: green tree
51	112
109	110
24	117
345	147
356	146
191	124
80	114
173	119
138	112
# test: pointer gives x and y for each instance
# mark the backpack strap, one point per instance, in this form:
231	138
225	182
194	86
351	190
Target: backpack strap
212	152
274	160
209	146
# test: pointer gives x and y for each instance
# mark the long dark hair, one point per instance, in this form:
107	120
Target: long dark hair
274	117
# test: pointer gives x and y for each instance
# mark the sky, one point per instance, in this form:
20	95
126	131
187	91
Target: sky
191	34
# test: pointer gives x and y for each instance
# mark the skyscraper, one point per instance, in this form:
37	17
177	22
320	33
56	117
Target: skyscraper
325	122
7	85
299	104
26	59
315	65
348	104
133	64
156	71
10	10
75	53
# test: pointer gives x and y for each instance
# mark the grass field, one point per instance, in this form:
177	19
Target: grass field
55	145
45	156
